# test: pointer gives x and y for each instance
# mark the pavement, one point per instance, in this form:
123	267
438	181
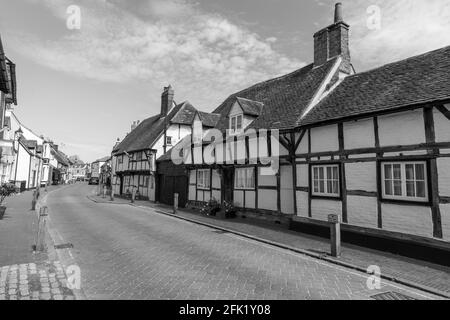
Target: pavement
415	273
24	273
139	252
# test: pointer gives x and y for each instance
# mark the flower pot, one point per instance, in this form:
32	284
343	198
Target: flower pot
2	212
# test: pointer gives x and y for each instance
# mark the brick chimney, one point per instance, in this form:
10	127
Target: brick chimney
333	41
167	100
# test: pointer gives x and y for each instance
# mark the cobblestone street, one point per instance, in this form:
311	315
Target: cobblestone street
131	253
44	281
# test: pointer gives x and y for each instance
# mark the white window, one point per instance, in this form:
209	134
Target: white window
168	141
236	124
244	178
325	179
203	179
405	181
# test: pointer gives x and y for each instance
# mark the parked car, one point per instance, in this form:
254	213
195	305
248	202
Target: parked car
93	180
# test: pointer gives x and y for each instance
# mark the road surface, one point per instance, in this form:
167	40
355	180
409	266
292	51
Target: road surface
126	252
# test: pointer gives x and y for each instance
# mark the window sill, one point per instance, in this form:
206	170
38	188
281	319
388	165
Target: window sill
407	202
325	197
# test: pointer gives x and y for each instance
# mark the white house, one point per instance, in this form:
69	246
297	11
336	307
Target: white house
134	158
370	147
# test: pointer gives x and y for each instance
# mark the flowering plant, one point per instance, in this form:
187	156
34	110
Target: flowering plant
210	208
6	190
229	209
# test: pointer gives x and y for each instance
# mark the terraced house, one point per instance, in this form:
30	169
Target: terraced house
134	158
8	98
372	147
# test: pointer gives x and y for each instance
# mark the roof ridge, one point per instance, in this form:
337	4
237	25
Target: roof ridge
399	61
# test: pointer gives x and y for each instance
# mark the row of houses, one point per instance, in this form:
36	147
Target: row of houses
372	147
26	159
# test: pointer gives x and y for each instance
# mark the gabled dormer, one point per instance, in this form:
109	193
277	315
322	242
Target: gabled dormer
242	113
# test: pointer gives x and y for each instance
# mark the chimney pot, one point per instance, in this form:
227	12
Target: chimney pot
338	17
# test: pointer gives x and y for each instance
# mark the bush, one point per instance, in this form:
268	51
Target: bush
229	209
7	190
210	208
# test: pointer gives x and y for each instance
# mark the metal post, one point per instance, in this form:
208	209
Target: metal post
175	203
335	232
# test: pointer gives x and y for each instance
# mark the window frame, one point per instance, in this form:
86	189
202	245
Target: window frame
235	117
206	184
404	198
325	195
246	186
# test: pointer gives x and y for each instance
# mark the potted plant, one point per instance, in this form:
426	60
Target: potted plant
229	210
6	190
210	208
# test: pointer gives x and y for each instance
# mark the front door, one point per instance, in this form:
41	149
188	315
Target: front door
228	184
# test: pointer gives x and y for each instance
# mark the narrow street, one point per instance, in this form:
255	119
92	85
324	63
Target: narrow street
131	253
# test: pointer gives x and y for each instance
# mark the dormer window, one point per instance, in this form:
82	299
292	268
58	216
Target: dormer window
236	124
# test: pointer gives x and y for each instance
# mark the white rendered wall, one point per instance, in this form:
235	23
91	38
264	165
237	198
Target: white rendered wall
324	139
404	128
414	220
359	134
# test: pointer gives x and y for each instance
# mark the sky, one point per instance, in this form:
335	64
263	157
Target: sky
83	87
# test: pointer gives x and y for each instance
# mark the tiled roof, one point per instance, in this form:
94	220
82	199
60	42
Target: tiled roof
417	80
185	115
4	83
104	159
136	139
149	130
252	108
209	119
146	134
284	98
60	158
30	144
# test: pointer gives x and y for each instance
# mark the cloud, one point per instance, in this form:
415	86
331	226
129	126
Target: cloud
203	55
408	28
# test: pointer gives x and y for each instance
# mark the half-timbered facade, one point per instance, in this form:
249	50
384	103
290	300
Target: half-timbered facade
134	158
371	147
